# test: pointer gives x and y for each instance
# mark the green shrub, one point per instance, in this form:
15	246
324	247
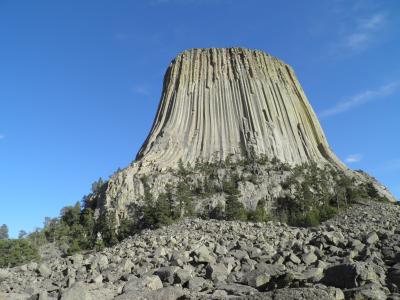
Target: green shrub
259	214
234	209
17	252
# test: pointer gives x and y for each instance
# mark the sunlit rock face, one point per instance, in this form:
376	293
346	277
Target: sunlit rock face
232	102
219	103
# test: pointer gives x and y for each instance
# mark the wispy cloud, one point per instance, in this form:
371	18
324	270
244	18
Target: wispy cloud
373	22
121	36
365	32
361	99
354	158
2	136
141	89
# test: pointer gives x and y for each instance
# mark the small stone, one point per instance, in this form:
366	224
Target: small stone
32	266
160	252
98	279
4	274
217	272
196	283
219	294
237	289
77	291
220	250
102	262
44	271
150	283
372	238
294	259
166	274
309	258
203	255
257	278
127	265
182	276
77	259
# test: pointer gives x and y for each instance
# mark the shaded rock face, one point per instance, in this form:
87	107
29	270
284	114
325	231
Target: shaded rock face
221	102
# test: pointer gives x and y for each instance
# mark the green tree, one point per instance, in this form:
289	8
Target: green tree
234	209
3	232
259	214
97	185
184	199
22	234
16	252
74	247
372	191
70	215
107	227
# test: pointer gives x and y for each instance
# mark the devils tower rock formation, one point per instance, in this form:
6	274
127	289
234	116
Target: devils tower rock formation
220	104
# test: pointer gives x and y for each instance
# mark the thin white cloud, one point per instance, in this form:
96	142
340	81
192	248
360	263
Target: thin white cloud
141	89
356	41
361	99
373	22
121	36
361	34
354	158
2	136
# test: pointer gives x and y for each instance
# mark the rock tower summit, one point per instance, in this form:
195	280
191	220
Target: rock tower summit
221	102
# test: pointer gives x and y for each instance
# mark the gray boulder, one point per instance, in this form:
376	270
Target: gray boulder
146	283
77	291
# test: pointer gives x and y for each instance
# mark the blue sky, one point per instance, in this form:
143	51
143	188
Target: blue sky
80	82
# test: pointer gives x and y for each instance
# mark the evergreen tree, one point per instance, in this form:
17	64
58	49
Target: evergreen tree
234	209
106	226
17	252
259	214
184	199
70	215
3	232
22	234
97	185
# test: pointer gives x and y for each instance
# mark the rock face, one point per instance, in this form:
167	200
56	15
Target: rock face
225	103
221	102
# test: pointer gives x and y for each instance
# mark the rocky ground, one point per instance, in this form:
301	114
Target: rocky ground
354	256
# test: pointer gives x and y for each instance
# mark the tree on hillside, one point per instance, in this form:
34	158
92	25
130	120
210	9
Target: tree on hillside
22	234
3	232
96	186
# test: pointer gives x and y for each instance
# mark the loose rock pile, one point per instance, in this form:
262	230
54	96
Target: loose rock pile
353	256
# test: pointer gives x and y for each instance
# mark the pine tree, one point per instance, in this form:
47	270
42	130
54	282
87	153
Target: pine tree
4	232
184	199
259	214
234	209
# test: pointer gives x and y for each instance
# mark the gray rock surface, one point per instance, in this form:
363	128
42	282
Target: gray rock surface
249	261
225	103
